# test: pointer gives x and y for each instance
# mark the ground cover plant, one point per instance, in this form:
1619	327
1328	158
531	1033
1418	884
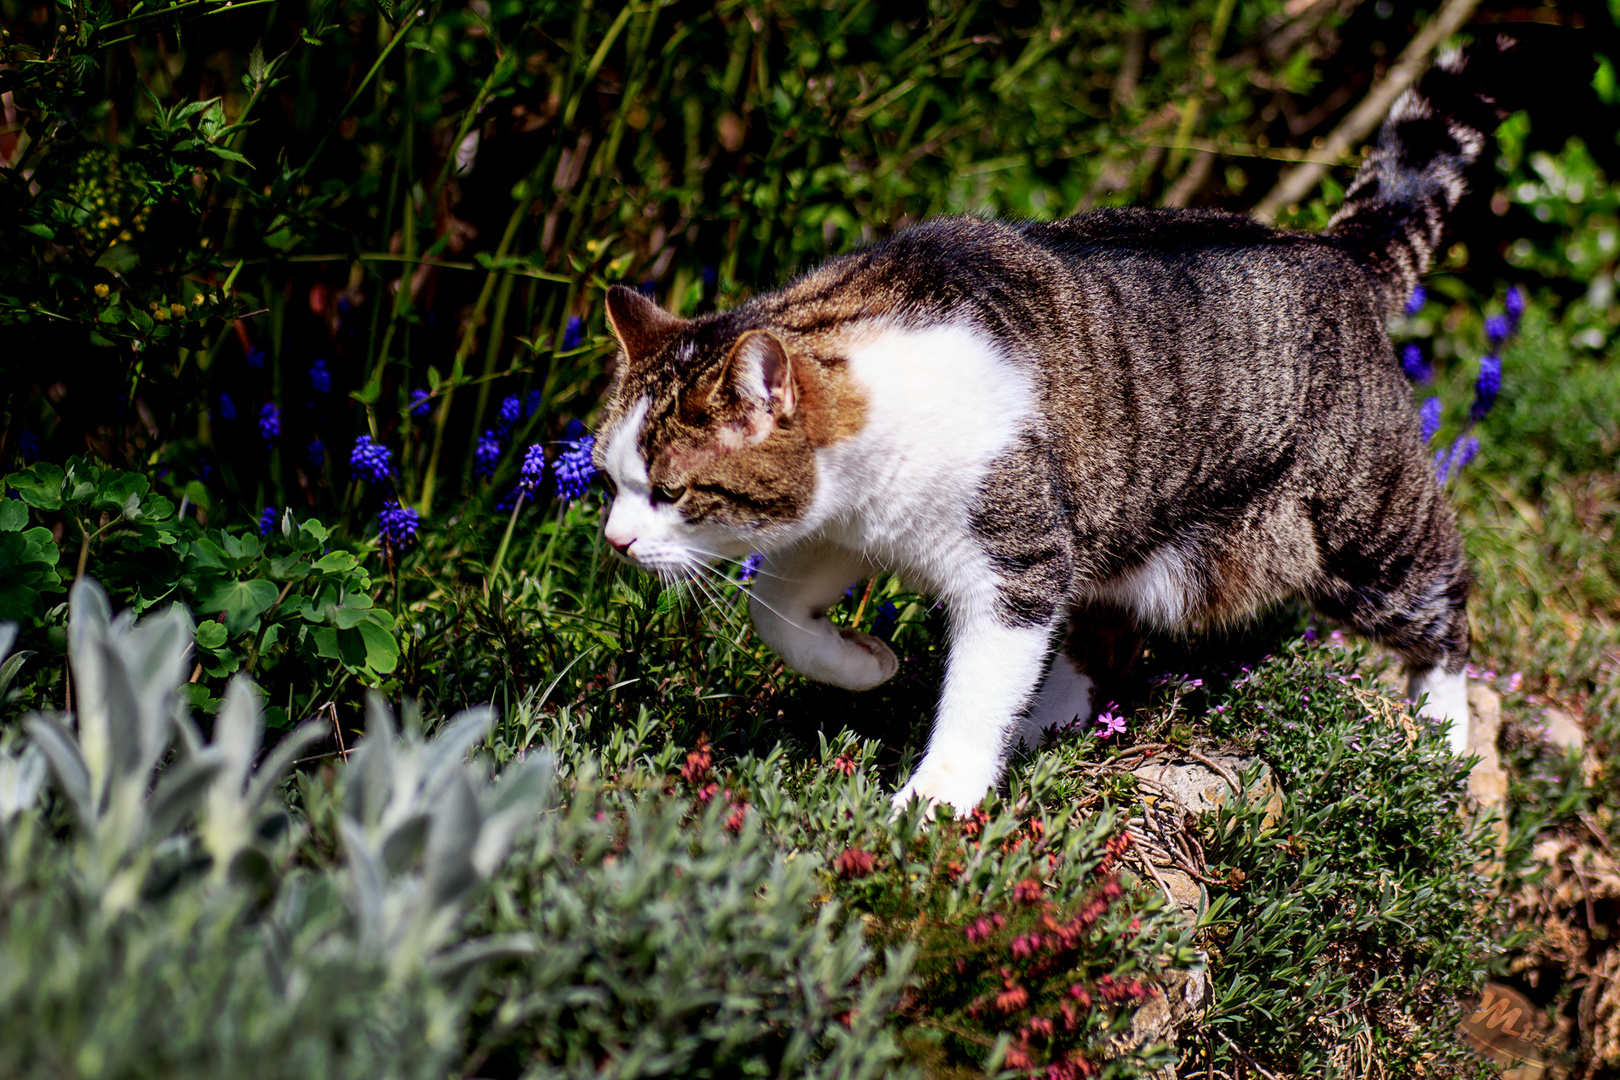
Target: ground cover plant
301	338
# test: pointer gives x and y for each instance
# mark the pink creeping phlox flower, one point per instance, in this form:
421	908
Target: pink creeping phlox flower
1109	724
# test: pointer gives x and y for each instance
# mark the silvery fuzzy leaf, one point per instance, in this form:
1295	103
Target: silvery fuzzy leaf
127	758
452	834
89	621
8	638
450	747
191	736
21	777
180	792
404	843
72	775
280	759
238	730
365	883
513	804
155	650
370	780
455	962
8	670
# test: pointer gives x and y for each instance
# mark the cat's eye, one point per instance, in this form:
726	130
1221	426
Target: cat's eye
663	494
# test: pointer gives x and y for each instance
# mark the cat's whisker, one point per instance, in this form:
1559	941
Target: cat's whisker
756	597
759	571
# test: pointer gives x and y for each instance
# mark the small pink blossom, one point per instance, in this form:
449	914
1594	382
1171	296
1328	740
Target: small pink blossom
1108	724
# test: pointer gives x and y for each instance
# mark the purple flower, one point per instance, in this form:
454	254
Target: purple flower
647	288
510	413
1487	385
267	520
711	277
1109	725
506	502
750	567
227	407
1414	303
371	461
531	403
1497	329
534	467
574	470
487	454
315	454
1430	415
255	359
1414	363
421	403
270	423
574	333
319	377
1515	305
28	447
1463	451
883	623
398	525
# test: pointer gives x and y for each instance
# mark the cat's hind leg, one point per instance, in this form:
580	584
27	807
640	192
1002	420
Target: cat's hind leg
1400	577
788	601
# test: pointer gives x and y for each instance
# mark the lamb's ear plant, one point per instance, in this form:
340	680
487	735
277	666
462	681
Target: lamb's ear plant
422	831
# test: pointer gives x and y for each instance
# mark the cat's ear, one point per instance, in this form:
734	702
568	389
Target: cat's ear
641	326
760	374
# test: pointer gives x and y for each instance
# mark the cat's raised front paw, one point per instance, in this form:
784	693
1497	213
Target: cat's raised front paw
870	663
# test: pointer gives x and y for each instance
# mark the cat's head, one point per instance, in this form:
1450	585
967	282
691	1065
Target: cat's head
708	445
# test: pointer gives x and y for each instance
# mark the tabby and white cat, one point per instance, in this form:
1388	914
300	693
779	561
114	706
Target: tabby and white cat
1066	431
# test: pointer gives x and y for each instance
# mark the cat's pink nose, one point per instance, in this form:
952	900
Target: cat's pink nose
621	546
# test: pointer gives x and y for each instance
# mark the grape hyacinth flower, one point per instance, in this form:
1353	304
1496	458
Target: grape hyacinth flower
1415	302
574	333
1430	415
1487	385
319	377
315	454
1497	329
487	454
270	423
255	359
1515	306
28	447
574	470
883	623
711	277
534	468
1414	363
227	407
508	502
647	288
510	413
267	520
421	403
398	525
749	567
531	403
371	461
1463	451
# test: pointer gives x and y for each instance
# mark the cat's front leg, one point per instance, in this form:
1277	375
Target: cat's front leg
992	671
788	601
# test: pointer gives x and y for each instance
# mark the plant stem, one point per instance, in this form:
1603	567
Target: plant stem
506	539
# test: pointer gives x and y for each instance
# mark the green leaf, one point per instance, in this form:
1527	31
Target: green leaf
40	485
347	618
241	601
334	562
13	515
230	155
211	635
382	651
40	230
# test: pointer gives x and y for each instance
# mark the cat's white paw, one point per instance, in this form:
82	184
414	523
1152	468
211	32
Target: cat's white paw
866	662
962	791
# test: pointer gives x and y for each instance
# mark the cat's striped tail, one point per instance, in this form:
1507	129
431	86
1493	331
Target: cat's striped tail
1395	211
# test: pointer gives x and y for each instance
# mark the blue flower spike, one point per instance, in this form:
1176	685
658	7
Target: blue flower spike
574	470
371	461
398	525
